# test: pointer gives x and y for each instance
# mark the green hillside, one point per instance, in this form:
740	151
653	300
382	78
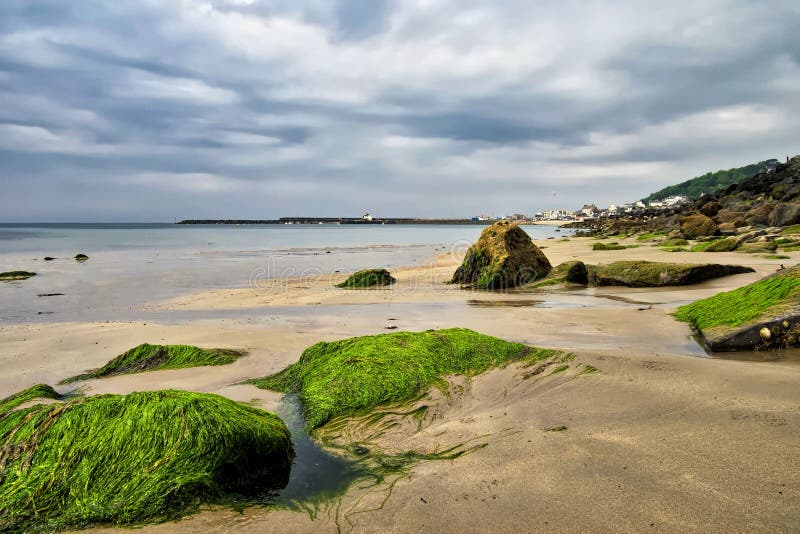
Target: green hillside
711	182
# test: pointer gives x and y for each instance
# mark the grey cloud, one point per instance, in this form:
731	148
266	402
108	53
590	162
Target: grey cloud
103	93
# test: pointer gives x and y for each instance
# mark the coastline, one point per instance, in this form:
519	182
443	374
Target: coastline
662	437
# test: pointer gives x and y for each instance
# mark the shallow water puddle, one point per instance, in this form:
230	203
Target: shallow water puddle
316	475
518	303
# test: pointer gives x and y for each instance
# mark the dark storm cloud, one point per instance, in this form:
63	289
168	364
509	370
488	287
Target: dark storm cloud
246	108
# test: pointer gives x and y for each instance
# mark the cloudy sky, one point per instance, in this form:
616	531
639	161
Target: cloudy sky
145	110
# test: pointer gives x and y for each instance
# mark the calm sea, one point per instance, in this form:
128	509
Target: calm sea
132	265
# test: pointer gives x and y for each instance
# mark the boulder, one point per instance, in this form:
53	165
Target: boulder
785	214
368	278
762	315
726	215
657	274
759	216
698	225
727	228
504	256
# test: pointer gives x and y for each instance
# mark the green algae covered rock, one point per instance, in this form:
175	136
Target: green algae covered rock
762	315
15	275
368	278
504	256
658	274
343	378
721	245
146	357
137	458
573	272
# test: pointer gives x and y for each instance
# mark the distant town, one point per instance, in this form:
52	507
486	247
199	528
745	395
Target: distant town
587	212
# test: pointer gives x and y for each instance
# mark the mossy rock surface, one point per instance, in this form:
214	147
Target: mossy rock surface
81	257
504	256
573	272
698	225
146	357
15	275
720	245
133	459
348	377
762	315
658	274
368	278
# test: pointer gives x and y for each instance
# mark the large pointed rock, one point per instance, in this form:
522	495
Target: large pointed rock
503	257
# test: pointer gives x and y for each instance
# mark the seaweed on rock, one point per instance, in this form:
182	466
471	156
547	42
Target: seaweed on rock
368	278
142	457
356	375
146	357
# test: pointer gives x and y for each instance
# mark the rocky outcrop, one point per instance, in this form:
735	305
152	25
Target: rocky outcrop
698	225
762	315
657	274
504	256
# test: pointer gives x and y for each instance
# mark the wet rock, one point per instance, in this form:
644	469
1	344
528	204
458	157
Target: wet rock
698	225
15	275
762	315
657	274
81	257
504	256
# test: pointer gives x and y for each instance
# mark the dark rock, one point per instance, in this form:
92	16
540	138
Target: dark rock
709	209
81	257
48	258
504	256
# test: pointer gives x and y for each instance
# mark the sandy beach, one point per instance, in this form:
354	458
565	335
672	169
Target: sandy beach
663	438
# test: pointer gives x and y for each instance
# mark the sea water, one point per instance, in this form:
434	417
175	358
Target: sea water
131	265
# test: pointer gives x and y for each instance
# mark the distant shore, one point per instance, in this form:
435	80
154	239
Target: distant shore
359	220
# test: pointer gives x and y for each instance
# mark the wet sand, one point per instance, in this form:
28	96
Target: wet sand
662	438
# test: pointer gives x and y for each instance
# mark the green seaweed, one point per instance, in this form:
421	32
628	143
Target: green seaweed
791	230
355	375
15	275
651	236
734	308
776	257
39	391
368	278
134	459
146	357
